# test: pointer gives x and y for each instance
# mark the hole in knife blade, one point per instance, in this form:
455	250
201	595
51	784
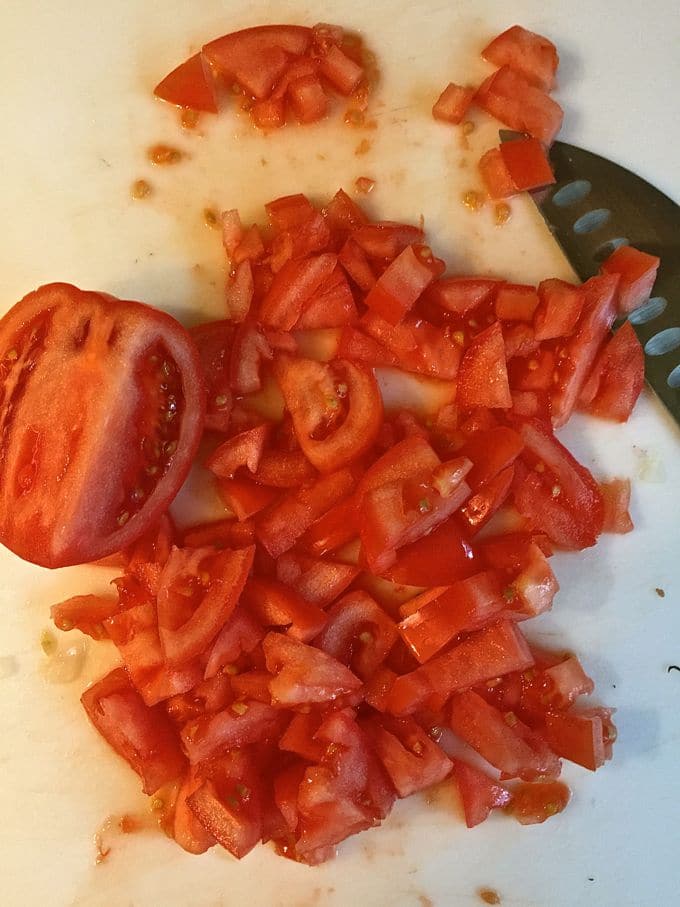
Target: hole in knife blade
673	379
663	342
592	220
610	246
649	311
572	193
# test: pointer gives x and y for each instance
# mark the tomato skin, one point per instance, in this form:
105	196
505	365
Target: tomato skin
61	501
143	736
189	85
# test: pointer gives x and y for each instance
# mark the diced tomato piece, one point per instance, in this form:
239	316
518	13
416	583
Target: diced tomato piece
358	347
86	613
461	295
515	302
563	500
240	634
411	758
493	736
580	350
391	516
386	240
562	683
232	230
534	803
188	624
400	285
529	405
495	175
466	605
453	103
250	247
440	558
343	214
234	821
358	633
485	654
343	73
143	736
244	449
208	696
136	635
519	340
508	96
289	212
293	288
617	378
316	580
510	551
484	503
483	376
336	527
308	99
333	306
316	394
257	57
189	85
559	309
479	793
238	725
616	498
249	349
527	164
300	737
378	687
304	675
490	452
637	271
277	605
269	113
529	54
252	685
244	497
356	264
535	586
284	469
536	373
187	830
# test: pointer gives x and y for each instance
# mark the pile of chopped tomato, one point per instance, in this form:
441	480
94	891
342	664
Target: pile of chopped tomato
276	71
291	670
517	94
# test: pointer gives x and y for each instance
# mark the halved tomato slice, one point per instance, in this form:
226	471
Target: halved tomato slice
101	410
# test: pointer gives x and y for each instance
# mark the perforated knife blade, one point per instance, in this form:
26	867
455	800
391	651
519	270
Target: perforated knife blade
596	206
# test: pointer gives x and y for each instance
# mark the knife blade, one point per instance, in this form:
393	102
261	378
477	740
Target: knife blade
596	206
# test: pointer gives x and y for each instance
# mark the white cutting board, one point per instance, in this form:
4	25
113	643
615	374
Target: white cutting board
75	119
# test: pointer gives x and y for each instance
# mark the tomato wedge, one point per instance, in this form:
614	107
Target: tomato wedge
101	413
189	85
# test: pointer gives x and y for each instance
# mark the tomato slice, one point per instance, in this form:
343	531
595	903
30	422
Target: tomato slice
336	409
453	103
74	364
143	736
189	85
257	57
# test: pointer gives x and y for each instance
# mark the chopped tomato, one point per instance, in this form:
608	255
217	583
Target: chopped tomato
74	356
249	349
143	736
479	793
440	558
514	101
617	377
559	309
400	285
483	376
515	302
257	57
527	164
336	409
385	241
453	103
317	580
637	272
86	613
214	341
244	497
343	73
239	635
535	586
277	605
529	54
495	175
308	99
304	675
238	725
293	288
486	501
411	758
189	85
244	449
358	633
461	295
187	830
616	499
289	212
333	306
300	737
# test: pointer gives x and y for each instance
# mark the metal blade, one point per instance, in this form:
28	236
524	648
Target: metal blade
595	206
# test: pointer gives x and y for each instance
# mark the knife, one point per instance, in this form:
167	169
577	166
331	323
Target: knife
595	206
